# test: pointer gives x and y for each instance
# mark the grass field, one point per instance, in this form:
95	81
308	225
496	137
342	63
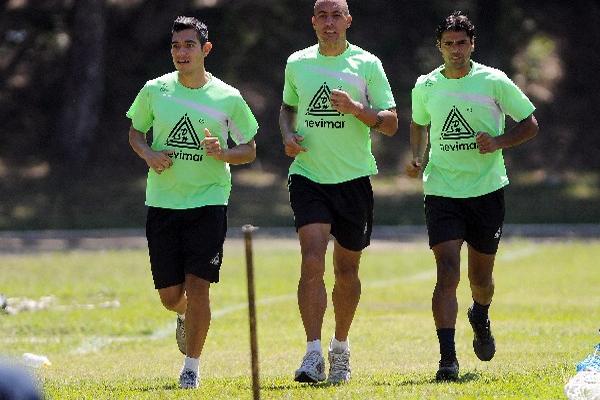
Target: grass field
545	316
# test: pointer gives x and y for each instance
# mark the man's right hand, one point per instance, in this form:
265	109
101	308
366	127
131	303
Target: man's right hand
159	160
413	169
291	142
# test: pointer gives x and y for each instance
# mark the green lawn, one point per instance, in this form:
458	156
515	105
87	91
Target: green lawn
545	316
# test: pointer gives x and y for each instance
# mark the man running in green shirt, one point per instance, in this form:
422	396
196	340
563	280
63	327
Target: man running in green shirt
334	94
191	113
464	104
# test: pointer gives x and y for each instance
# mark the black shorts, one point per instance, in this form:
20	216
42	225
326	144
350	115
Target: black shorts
477	220
346	206
188	241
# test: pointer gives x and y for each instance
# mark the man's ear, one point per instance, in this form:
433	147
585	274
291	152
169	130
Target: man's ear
206	48
349	19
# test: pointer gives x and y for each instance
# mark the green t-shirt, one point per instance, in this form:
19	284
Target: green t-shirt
457	109
178	116
339	146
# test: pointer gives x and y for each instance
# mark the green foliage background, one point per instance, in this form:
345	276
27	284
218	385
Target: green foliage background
72	68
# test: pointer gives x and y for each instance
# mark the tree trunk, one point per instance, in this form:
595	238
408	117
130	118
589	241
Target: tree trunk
84	83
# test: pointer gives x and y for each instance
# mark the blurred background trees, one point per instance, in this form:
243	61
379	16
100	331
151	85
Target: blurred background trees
71	68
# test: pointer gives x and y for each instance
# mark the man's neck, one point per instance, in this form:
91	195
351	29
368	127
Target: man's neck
193	80
333	49
456	73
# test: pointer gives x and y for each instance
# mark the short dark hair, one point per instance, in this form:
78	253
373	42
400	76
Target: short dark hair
457	21
182	23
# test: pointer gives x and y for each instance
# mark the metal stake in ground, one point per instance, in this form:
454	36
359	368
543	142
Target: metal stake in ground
247	230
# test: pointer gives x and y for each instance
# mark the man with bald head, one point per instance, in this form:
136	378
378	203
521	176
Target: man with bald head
334	94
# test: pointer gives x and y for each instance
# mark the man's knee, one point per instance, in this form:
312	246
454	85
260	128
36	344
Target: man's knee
448	273
313	264
170	303
346	273
171	298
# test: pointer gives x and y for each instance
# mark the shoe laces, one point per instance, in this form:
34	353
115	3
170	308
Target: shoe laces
340	362
482	329
311	360
188	377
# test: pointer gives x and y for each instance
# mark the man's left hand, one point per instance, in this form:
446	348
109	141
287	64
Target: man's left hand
486	142
212	146
342	102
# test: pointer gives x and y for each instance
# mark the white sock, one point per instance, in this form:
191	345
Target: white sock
315	345
181	316
339	347
192	363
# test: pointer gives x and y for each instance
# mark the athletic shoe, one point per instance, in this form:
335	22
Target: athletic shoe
448	371
188	379
312	369
339	367
484	344
180	334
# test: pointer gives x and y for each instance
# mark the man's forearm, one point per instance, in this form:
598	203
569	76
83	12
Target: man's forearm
520	133
418	140
137	141
384	121
287	120
240	154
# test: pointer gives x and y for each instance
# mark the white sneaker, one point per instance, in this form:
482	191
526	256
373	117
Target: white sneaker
188	379
312	369
180	334
339	366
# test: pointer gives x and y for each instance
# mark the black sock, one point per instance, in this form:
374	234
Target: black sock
480	312
446	339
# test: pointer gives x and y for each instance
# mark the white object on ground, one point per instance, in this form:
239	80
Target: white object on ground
35	360
585	385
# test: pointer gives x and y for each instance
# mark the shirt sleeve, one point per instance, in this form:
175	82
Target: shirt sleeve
140	111
420	115
512	100
379	92
290	92
242	123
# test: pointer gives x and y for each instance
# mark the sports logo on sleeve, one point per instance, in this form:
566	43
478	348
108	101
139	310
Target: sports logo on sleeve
184	135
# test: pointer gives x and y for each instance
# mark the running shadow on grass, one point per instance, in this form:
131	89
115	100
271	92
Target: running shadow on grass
296	385
426	380
158	387
464	378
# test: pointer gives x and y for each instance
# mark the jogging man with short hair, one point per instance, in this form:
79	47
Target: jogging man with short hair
464	104
191	113
334	94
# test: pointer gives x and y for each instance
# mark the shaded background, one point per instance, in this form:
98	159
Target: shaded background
70	69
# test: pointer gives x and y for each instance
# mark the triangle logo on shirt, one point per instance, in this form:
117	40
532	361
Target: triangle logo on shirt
184	135
456	126
320	104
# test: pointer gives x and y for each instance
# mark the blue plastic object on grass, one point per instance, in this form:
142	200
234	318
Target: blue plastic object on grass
591	362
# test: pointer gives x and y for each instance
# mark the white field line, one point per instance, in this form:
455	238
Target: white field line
517	254
96	343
